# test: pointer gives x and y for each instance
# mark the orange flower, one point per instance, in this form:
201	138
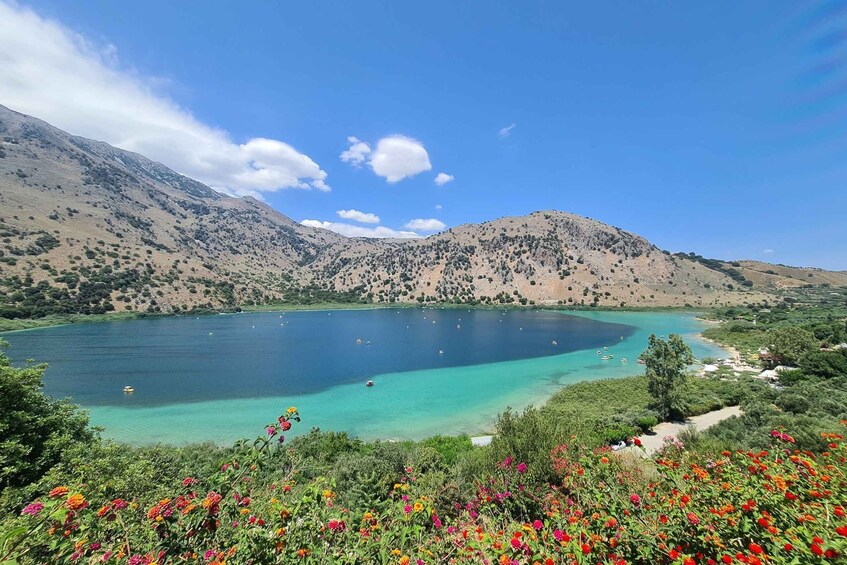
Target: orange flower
76	502
58	491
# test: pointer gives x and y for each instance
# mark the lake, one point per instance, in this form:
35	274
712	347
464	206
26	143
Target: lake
445	371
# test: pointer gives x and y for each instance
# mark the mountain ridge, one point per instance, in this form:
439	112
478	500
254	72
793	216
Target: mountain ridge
89	228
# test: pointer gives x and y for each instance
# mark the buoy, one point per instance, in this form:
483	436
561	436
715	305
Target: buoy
359	341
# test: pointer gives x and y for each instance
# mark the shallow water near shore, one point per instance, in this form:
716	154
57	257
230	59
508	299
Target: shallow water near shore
220	378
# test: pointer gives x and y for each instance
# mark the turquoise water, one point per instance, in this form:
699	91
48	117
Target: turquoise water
467	371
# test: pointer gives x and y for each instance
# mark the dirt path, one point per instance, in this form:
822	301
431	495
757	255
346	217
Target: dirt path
652	442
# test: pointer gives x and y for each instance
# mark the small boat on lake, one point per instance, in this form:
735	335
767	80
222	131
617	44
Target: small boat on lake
128	389
369	383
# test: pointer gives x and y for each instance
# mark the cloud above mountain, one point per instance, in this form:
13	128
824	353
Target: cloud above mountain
425	224
394	158
56	74
357	216
352	230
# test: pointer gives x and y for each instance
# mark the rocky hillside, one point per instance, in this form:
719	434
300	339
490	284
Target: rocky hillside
88	228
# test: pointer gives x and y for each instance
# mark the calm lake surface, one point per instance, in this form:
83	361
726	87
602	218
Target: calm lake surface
222	377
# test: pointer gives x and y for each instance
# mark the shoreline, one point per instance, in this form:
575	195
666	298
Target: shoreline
10	325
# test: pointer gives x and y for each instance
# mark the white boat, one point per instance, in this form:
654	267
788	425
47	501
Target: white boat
128	389
369	383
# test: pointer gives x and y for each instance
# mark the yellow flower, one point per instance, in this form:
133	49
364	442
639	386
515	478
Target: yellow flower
328	494
405	560
395	552
418	507
291	410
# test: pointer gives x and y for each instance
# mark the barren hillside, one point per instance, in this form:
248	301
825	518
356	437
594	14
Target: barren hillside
88	228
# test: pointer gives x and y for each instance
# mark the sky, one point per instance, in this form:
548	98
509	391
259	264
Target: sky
713	127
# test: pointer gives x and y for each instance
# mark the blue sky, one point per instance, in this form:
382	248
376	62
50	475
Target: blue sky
719	128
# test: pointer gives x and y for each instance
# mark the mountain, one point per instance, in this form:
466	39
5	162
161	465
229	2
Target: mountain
86	227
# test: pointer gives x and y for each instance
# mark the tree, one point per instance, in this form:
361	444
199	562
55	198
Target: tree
35	431
666	361
788	345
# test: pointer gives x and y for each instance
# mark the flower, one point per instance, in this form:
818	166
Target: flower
76	502
755	548
538	524
291	410
336	525
271	431
635	499
32	509
636	441
521	468
285	425
58	492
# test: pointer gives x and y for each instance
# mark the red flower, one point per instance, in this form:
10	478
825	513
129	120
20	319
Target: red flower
755	548
586	549
693	518
635	499
726	559
788	547
689	561
816	549
841	531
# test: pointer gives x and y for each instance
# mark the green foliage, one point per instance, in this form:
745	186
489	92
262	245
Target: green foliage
665	362
35	431
824	364
789	344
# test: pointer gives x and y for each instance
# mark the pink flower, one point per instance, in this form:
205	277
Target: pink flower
407	509
436	521
521	468
693	518
33	509
285	425
538	524
281	439
336	525
775	433
187	481
635	499
209	554
271	431
506	463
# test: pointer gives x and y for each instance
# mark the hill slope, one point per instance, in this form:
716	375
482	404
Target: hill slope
86	227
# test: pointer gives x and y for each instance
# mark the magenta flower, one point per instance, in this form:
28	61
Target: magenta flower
436	521
538	524
271	431
521	468
407	509
209	554
507	462
33	509
635	499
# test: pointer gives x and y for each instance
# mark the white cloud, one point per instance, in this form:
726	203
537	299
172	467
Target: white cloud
356	153
356	216
56	74
350	230
506	131
768	251
398	157
443	178
430	224
438	206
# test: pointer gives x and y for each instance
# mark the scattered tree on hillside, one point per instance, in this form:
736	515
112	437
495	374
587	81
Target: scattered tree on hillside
666	361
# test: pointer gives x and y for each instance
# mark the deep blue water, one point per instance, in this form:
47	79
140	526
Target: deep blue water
256	355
